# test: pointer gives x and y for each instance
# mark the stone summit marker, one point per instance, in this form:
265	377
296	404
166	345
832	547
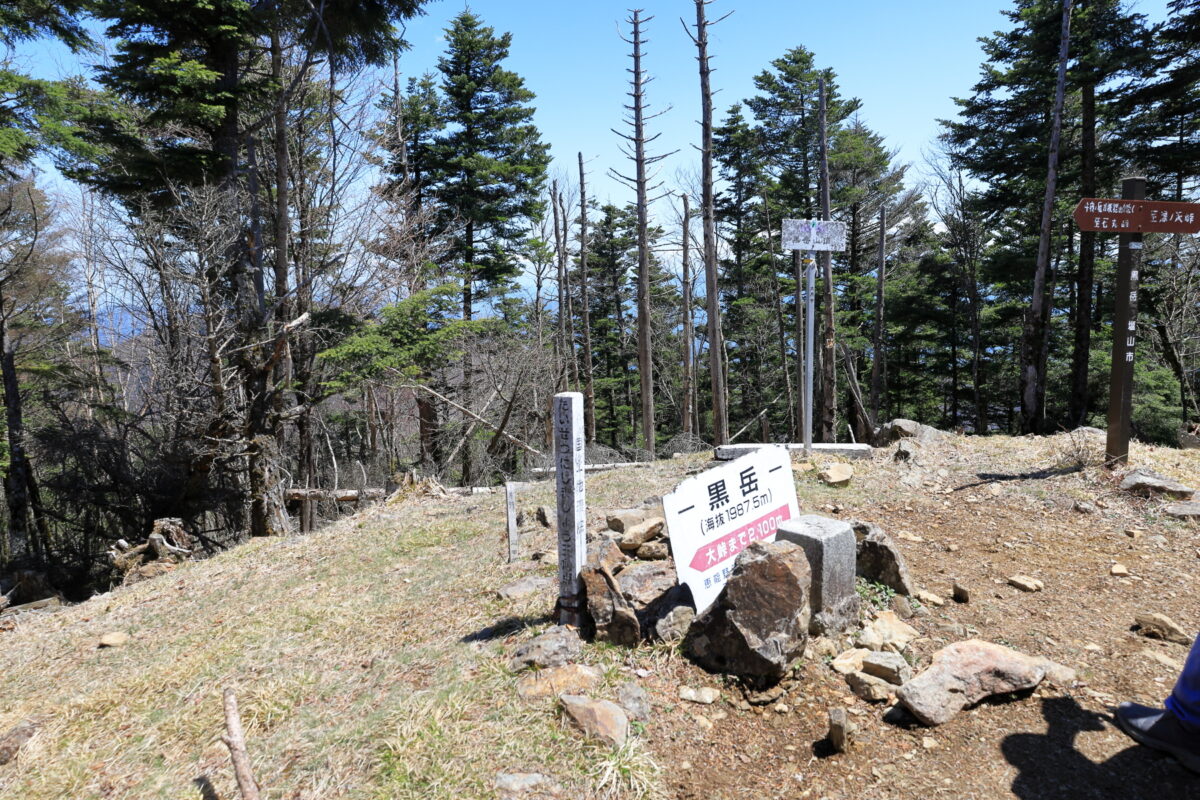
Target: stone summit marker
713	516
572	502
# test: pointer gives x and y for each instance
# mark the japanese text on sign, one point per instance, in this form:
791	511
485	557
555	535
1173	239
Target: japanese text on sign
714	516
814	234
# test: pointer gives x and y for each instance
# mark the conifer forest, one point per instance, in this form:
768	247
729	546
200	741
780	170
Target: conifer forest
255	247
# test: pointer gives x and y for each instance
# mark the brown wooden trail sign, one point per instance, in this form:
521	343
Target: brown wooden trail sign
1130	216
1108	215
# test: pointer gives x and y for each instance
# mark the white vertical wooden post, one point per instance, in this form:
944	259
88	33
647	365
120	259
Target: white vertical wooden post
572	503
510	501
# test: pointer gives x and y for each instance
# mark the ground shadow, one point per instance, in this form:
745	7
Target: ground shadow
1051	768
1036	475
207	792
506	627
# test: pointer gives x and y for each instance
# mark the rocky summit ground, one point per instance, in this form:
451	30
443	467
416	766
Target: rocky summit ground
371	659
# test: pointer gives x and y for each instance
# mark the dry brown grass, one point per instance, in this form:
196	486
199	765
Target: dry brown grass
370	659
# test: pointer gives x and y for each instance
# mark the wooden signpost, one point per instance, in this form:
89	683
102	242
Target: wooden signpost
811	235
1129	216
572	502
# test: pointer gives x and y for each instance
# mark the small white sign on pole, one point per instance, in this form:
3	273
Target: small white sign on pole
712	517
814	234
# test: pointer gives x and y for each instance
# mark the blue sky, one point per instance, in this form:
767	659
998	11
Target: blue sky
904	59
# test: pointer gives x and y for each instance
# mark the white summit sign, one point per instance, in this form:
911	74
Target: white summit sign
814	235
714	516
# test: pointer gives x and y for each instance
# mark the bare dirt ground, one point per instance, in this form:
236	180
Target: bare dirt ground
370	659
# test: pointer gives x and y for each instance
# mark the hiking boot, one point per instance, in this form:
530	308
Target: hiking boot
1160	729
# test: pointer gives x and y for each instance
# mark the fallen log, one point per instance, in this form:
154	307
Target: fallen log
333	495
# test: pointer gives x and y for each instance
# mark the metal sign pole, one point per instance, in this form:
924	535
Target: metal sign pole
1120	386
809	336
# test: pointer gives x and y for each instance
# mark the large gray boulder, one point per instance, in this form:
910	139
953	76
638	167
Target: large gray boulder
758	626
1147	483
899	429
964	673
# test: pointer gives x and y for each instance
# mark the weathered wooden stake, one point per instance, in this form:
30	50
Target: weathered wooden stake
572	502
510	501
1120	385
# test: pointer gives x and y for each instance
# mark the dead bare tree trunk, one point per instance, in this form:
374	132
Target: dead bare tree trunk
589	385
689	333
1085	275
716	340
635	149
1034	341
877	335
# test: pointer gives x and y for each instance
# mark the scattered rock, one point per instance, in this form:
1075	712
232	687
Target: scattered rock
1084	507
1026	583
961	593
1164	659
567	679
624	519
646	584
877	558
841	729
12	742
765	696
1183	510
836	474
850	661
603	552
526	786
964	673
899	429
1119	571
1134	533
891	667
555	647
705	695
1160	626
654	551
906	451
637	535
114	639
868	687
543	515
1056	673
929	743
1146	483
673	625
902	607
782	708
614	618
930	599
759	624
634	700
598	719
530	584
887	631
